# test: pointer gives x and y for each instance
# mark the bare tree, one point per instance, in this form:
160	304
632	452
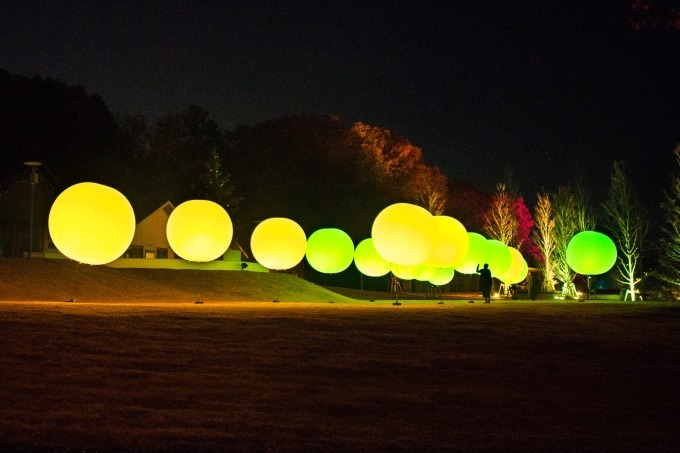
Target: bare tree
572	214
585	219
500	221
625	220
544	237
670	256
566	226
429	188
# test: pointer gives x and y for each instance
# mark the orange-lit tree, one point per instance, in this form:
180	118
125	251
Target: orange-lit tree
500	221
544	237
397	165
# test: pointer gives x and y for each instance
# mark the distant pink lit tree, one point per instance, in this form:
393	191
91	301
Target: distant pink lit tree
509	221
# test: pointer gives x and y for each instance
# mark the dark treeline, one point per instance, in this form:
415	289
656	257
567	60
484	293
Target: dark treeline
314	169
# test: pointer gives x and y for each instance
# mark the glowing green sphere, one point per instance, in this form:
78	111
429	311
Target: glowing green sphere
591	253
91	223
278	243
518	269
442	276
452	245
368	260
405	234
476	255
499	257
330	250
199	230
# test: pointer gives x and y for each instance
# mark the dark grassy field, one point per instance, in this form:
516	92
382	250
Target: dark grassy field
314	376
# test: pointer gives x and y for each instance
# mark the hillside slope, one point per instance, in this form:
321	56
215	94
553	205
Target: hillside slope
59	280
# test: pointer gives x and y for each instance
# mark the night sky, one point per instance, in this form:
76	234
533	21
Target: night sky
545	93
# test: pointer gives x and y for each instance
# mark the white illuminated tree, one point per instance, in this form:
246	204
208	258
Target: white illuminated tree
572	215
626	222
670	255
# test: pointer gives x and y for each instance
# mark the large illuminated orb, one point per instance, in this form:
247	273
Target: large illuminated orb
91	223
442	276
199	230
278	243
476	255
330	250
499	258
405	272
591	253
452	245
405	234
368	260
424	273
518	269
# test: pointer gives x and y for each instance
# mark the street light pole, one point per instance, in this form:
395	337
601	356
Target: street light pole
34	177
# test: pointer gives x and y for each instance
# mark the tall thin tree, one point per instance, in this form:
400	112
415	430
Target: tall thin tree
626	222
500	221
669	261
544	237
572	215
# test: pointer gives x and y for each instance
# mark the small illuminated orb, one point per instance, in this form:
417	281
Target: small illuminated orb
452	245
405	234
278	243
476	255
368	260
91	223
442	276
499	258
518	269
199	230
591	253
330	250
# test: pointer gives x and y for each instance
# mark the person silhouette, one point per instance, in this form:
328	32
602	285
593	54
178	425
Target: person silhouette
485	282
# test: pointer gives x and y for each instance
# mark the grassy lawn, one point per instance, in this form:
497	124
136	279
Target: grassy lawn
253	376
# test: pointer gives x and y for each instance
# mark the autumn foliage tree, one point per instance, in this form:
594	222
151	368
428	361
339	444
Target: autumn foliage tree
397	165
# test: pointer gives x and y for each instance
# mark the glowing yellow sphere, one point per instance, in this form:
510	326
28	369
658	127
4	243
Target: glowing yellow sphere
405	272
91	223
518	268
424	273
330	250
368	260
499	258
278	243
476	255
199	230
405	234
442	276
452	245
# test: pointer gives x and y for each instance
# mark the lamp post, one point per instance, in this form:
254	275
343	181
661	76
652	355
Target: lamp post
34	180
